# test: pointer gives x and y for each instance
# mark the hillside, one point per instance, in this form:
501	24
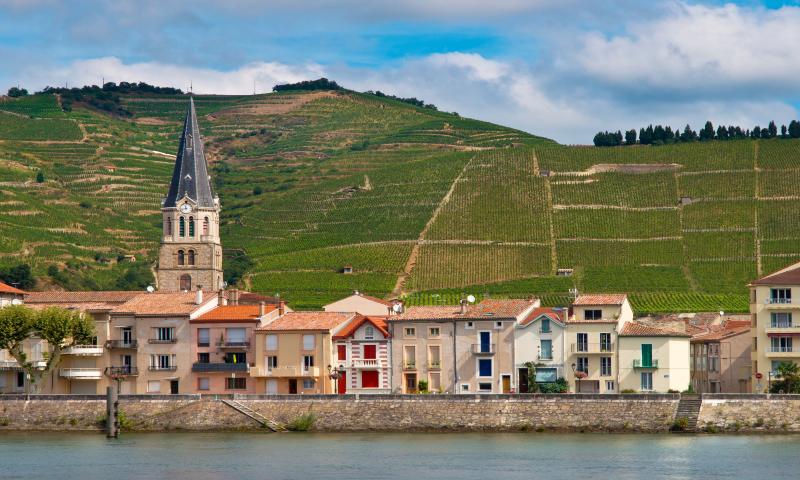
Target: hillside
413	199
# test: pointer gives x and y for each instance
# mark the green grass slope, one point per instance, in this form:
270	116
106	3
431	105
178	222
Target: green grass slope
418	202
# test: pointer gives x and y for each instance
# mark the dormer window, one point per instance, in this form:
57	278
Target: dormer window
369	332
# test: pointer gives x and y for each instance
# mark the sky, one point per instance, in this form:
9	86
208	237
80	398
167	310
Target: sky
564	69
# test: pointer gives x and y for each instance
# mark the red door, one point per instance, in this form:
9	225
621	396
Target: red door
369	379
343	384
369	352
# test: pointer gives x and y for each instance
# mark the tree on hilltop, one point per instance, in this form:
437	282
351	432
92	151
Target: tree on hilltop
17	92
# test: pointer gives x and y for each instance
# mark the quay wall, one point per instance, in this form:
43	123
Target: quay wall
403	413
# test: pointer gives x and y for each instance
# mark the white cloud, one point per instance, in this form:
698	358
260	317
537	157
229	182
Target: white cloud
701	48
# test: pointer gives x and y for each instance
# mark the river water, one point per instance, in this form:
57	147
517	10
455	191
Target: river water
548	456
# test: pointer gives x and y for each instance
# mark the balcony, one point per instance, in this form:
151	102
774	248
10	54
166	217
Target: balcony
83	350
409	365
237	345
782	327
158	341
782	352
285	371
605	348
157	368
483	348
434	365
81	373
780	303
219	367
367	363
545	330
639	364
9	365
132	344
123	371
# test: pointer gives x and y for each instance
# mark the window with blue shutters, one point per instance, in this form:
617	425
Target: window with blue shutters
485	367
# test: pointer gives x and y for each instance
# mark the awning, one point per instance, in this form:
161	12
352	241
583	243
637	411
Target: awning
792	334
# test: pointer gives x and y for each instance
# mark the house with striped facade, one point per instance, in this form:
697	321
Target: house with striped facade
363	356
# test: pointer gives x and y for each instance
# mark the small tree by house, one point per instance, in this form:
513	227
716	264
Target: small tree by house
789	378
59	327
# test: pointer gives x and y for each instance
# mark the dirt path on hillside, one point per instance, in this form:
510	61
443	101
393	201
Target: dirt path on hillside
412	259
609	207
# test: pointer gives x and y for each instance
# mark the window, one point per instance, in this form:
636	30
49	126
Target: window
191	257
546	350
605	342
780	320
434	382
236	336
609	385
235	357
583	342
370	351
203	383
411	382
237	383
272	342
341	352
186	283
434	332
154	386
605	366
647	354
780	295
583	365
647	381
546	375
410	356
308	342
434	356
775	365
545	328
592	314
203	357
162	362
205	226
165	334
308	362
410	332
369	332
309	383
781	344
465	387
498	325
484	342
272	362
191	226
168	226
485	367
182	227
484	387
469	325
181	258
203	337
20	379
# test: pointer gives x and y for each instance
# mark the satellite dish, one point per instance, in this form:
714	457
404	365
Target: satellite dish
397	307
150	289
224	285
471	298
16	301
721	313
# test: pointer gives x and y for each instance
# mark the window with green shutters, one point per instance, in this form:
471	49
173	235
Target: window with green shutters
647	355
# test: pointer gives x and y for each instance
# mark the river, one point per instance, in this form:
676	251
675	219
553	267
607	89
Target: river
507	456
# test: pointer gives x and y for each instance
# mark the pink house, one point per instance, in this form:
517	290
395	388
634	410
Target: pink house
362	355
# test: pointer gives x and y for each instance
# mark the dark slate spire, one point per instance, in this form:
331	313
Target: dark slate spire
190	175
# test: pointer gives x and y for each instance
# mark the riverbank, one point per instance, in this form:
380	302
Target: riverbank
644	413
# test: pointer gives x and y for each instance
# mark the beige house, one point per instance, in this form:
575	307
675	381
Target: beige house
362	304
539	338
461	349
294	353
775	322
591	342
653	356
721	356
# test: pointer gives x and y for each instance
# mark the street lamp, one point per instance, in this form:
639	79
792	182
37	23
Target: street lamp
577	385
334	375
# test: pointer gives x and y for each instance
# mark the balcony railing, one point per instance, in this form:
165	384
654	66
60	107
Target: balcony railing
9	365
784	349
157	340
227	344
366	363
545	357
219	367
285	371
158	368
779	301
81	373
122	344
483	348
409	365
123	371
602	347
783	325
434	365
83	350
639	364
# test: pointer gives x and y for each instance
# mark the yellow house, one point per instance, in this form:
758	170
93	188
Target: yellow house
294	353
653	356
775	322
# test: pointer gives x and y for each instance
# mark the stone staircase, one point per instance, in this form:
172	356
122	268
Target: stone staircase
245	410
689	409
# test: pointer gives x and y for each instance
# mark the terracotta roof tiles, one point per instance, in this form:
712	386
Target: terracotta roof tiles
600	299
350	328
4	288
487	309
787	276
637	329
234	313
163	303
112	296
308	321
551	313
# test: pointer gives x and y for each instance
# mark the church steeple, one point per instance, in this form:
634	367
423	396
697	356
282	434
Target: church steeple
190	175
191	253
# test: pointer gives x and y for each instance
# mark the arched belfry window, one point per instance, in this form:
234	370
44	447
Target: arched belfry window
182	227
181	259
191	257
205	226
191	226
168	226
186	282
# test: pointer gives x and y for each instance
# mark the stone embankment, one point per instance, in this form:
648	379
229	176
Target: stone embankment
395	413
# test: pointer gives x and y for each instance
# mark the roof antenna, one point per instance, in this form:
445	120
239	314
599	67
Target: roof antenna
254	86
190	87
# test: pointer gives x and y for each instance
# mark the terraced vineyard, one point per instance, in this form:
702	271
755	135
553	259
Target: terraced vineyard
420	203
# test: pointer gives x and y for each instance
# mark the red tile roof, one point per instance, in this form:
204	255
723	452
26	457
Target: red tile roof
487	309
787	276
9	289
350	328
234	313
164	303
80	297
729	328
549	312
308	321
637	329
600	299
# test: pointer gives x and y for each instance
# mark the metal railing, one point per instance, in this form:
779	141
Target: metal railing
122	344
219	367
783	325
637	363
227	344
168	368
784	349
483	348
779	301
83	350
602	347
434	365
87	373
156	340
125	370
409	365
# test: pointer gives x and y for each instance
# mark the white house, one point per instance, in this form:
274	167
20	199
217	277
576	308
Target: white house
539	338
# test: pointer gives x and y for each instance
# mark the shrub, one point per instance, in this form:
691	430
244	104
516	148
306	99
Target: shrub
303	423
759	422
680	424
628	390
39	177
423	386
4	421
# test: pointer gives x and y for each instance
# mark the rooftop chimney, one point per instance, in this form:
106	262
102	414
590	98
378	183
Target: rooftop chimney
281	308
261	309
221	300
198	299
463	306
234	296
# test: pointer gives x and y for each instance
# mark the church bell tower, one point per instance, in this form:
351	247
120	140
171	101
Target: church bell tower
190	256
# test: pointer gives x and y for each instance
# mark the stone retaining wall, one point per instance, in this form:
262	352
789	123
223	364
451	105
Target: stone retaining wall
749	413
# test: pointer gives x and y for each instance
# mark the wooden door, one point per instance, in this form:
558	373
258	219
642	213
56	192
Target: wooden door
342	384
293	386
272	386
173	387
523	380
369	379
506	383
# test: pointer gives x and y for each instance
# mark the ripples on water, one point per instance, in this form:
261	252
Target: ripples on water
547	456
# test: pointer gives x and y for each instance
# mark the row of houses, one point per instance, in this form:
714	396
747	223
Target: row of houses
238	342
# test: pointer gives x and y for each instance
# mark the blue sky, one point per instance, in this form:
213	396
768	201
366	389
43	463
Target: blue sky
559	68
